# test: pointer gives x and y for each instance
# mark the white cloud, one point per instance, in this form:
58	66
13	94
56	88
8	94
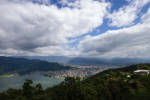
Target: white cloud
56	51
127	14
146	17
132	42
27	26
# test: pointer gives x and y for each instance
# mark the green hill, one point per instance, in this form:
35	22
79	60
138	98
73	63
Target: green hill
22	66
111	84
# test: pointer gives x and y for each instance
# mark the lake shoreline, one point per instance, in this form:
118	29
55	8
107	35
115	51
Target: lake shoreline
16	81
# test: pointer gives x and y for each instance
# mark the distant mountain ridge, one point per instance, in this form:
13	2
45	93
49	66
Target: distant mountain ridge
111	62
89	61
22	65
58	59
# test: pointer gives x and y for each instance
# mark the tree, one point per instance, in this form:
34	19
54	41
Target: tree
28	89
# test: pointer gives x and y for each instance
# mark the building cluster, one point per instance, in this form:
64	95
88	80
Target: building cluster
80	71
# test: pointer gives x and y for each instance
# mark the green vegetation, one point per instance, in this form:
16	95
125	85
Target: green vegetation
111	84
8	75
23	66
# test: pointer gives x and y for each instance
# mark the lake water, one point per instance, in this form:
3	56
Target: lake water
17	81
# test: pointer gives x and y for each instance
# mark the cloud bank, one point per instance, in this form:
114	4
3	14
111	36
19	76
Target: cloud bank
26	26
39	27
128	42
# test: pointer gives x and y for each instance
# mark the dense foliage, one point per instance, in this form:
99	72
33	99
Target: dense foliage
108	85
21	65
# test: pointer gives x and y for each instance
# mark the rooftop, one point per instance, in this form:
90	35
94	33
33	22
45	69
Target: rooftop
136	71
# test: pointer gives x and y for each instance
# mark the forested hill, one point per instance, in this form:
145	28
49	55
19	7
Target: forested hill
21	65
111	84
108	62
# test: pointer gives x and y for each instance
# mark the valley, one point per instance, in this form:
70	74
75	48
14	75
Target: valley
77	71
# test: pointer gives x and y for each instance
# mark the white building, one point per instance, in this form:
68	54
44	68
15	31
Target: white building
141	72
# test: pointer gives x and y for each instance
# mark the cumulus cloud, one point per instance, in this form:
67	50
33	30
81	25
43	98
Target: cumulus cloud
42	28
129	42
127	14
28	26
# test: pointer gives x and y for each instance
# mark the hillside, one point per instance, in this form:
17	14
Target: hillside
58	59
21	65
108	61
111	84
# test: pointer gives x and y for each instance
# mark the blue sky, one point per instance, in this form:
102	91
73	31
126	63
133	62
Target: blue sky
88	28
115	5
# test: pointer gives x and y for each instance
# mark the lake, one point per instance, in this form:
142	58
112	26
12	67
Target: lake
17	81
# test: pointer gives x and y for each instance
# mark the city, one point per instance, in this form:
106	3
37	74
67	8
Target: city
76	71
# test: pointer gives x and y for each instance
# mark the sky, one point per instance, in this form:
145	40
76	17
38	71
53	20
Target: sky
78	28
